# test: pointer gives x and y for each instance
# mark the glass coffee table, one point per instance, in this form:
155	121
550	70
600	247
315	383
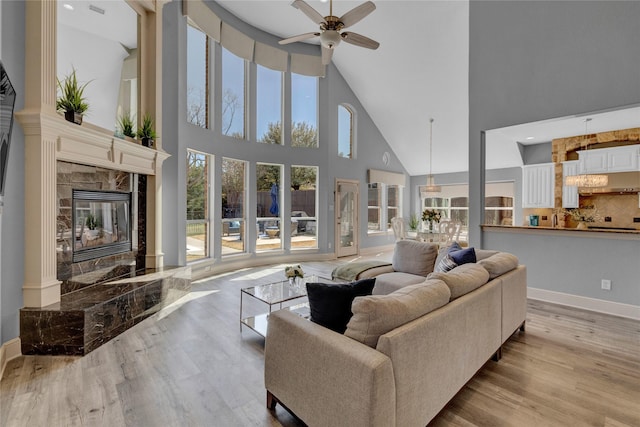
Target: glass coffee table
277	294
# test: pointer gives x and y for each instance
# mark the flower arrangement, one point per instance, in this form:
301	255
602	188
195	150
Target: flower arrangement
585	214
293	271
431	215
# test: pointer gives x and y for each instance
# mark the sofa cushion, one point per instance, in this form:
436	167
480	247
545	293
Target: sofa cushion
463	279
499	264
410	256
484	253
378	314
330	304
391	282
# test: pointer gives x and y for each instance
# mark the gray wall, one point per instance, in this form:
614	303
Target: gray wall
12	29
536	153
178	136
530	61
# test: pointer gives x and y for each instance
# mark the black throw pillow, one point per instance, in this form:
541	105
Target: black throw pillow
330	304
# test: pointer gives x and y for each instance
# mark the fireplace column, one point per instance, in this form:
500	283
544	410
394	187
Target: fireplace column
41	286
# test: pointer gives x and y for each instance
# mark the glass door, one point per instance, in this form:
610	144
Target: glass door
346	218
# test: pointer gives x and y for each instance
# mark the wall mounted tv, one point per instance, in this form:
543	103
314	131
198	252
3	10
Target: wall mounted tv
7	102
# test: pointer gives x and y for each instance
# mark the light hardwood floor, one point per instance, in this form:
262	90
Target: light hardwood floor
189	365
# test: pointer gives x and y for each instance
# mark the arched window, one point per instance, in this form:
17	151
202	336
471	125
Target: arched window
345	132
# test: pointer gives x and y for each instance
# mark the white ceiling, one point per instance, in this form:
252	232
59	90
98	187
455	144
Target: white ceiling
419	71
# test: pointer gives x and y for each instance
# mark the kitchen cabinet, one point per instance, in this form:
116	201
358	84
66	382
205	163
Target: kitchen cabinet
614	159
538	183
569	192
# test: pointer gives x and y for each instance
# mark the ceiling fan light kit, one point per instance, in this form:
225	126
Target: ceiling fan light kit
331	27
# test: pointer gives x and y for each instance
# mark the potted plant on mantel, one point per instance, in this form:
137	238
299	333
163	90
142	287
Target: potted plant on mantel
125	125
72	100
146	132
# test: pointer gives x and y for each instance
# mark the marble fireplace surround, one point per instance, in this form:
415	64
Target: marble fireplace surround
86	304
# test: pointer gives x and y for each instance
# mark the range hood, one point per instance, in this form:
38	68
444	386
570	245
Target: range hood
619	183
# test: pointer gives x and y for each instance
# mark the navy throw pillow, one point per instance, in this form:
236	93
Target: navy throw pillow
330	304
463	256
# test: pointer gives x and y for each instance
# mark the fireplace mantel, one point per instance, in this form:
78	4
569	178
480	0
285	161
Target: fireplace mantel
91	145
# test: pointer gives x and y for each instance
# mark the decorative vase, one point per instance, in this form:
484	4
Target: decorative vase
430	226
292	281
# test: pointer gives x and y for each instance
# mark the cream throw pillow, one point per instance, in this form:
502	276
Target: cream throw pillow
376	315
463	279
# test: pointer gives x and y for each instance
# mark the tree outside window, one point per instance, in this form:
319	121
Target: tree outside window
233	183
345	132
197	206
197	77
304	111
233	95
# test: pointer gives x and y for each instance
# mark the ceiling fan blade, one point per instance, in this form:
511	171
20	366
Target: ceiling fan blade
357	13
359	40
313	14
327	54
298	38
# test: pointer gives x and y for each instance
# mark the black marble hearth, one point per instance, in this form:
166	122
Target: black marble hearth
87	318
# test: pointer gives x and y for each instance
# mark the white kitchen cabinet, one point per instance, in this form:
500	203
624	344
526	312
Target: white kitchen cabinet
569	192
538	183
623	159
614	159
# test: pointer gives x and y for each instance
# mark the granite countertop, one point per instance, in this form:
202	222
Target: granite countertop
580	230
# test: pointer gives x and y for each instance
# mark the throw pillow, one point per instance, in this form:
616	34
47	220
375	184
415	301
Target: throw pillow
330	304
463	256
453	246
446	264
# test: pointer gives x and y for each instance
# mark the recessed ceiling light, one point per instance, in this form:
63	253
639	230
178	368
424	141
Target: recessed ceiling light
67	6
531	137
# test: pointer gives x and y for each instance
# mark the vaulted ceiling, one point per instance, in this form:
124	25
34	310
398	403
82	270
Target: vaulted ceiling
419	71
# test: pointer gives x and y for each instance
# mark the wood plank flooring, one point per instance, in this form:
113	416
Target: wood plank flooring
189	365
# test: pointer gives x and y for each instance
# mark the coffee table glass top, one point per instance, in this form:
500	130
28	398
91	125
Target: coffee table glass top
278	292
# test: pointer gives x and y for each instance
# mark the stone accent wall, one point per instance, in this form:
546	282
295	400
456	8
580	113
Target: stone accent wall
563	149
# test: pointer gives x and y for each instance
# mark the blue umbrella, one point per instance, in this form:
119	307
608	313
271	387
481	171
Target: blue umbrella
274	209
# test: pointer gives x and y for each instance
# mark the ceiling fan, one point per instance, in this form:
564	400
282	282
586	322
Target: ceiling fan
330	27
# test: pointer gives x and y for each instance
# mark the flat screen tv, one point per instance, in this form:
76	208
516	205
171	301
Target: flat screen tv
7	102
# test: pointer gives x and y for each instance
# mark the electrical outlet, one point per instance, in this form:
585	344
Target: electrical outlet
636	219
606	284
607	219
329	245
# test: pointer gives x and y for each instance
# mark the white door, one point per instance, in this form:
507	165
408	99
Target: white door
346	218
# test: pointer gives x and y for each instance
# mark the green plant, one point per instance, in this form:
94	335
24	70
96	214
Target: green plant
72	94
413	222
125	123
146	130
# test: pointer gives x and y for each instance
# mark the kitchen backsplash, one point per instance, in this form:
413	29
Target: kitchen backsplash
622	208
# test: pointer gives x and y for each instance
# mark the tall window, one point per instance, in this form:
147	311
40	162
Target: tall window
345	132
197	206
268	205
269	106
374	208
304	219
394	206
304	111
233	95
197	77
233	202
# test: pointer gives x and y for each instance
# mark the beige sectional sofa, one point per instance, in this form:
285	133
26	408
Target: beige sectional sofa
408	349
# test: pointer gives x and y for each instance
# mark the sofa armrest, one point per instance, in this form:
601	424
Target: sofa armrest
376	271
325	378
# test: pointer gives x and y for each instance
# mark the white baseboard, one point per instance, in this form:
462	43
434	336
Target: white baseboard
8	351
592	304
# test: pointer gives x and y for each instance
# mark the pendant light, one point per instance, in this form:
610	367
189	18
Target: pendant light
586	180
431	187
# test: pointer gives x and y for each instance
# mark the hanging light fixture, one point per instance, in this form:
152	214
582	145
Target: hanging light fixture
431	187
586	180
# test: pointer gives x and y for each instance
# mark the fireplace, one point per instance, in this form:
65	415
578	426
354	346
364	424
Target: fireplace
102	224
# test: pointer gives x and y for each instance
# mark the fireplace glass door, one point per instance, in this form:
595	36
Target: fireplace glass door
102	224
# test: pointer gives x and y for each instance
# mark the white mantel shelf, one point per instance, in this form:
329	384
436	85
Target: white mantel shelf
91	145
